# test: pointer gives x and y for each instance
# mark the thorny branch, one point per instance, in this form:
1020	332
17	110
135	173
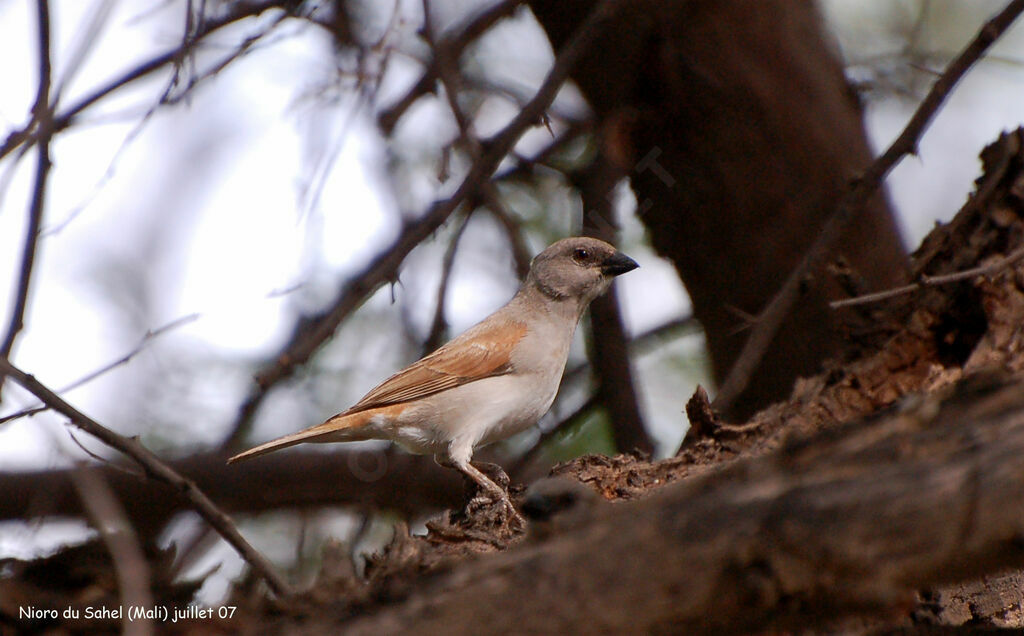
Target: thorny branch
771	317
156	469
384	268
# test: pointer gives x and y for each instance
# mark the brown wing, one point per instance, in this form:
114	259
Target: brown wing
482	352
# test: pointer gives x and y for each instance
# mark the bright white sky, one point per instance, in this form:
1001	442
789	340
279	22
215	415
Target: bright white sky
210	193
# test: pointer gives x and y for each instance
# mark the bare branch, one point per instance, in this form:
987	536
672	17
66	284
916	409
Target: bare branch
771	317
452	47
62	120
92	375
107	515
439	325
520	253
406	485
157	469
42	116
994	267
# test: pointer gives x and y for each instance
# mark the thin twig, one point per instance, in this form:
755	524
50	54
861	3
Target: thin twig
42	116
241	50
778	308
103	460
108	516
934	281
158	470
29	133
527	165
92	375
384	267
439	325
452	47
513	231
874	297
671	329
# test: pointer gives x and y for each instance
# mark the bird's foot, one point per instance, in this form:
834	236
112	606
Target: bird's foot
496	505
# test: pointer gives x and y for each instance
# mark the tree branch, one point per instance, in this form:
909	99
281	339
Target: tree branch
42	117
158	470
852	520
994	267
439	324
609	347
61	121
449	47
772	316
108	516
408	485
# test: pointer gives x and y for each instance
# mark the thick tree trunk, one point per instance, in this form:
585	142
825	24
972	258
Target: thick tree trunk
739	132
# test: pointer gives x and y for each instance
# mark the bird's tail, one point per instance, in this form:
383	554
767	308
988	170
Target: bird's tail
337	429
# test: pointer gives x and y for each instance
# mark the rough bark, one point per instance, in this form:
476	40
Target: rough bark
739	132
852	520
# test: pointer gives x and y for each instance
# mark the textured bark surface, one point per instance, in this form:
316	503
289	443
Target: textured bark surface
849	521
739	132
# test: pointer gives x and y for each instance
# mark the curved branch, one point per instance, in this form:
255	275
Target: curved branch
157	469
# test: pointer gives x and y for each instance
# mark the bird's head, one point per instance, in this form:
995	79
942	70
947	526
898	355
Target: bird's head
578	268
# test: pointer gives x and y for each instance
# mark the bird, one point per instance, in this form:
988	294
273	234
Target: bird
494	380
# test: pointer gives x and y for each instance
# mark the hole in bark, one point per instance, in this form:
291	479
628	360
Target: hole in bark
960	328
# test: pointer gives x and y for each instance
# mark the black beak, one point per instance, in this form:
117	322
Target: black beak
618	263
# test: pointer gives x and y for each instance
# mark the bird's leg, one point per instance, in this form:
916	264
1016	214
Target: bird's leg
490	491
494	472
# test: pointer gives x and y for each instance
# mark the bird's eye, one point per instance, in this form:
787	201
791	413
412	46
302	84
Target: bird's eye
581	255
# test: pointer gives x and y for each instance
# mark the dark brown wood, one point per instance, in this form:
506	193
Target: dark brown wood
296	479
610	344
849	521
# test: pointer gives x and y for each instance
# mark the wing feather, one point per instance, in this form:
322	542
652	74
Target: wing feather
483	351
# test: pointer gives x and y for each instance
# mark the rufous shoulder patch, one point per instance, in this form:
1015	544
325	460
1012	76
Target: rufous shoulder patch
481	352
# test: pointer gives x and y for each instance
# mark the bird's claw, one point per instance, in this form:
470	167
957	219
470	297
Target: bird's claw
508	510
